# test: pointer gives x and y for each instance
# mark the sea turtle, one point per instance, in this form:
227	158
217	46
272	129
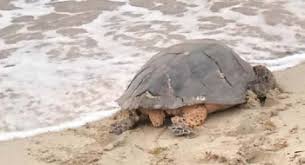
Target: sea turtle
187	81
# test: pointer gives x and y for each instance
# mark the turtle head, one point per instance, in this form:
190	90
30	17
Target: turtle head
264	82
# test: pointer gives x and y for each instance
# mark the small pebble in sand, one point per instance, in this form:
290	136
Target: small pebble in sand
301	161
283	96
280	108
279	144
294	130
288	105
158	150
269	125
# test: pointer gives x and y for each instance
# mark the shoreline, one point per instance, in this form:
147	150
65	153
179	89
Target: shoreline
280	122
100	115
74	124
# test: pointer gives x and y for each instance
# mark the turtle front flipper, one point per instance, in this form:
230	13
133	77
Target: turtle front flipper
125	120
180	130
192	116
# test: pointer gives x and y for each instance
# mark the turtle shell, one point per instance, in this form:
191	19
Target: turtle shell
194	72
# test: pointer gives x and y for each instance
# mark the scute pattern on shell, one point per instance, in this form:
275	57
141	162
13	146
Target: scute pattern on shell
194	72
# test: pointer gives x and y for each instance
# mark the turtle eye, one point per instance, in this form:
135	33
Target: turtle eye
266	78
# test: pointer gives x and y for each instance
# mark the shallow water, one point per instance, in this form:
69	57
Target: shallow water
63	60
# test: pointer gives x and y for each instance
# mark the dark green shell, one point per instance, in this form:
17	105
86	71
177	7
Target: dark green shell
194	72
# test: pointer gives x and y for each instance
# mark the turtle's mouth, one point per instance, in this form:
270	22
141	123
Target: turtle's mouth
264	82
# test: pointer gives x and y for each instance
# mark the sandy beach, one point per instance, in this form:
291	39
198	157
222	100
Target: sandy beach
248	134
63	61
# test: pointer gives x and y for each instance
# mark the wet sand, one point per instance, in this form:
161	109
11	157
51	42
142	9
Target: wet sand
249	134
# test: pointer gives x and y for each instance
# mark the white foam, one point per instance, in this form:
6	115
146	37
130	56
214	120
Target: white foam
282	63
35	8
84	119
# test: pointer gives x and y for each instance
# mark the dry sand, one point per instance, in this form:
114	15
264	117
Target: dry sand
273	134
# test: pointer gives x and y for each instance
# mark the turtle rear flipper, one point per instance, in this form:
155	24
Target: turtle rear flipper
127	120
